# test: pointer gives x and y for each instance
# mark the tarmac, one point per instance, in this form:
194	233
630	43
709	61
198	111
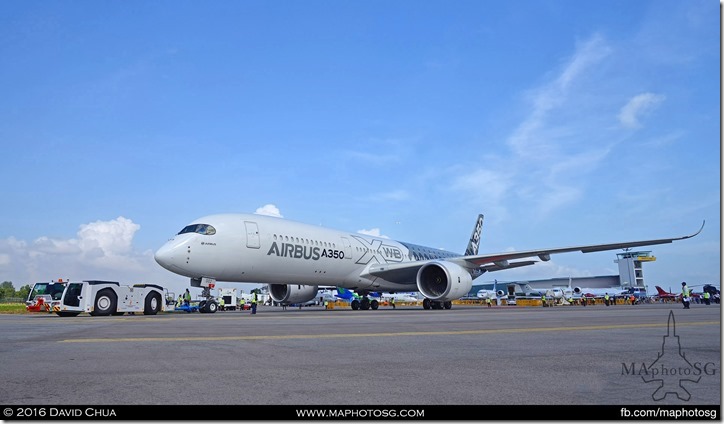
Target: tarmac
469	355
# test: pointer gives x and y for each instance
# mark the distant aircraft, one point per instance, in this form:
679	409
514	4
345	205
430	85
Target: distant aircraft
295	258
489	294
669	295
408	297
599	292
550	292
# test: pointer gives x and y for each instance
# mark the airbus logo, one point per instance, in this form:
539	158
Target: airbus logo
298	251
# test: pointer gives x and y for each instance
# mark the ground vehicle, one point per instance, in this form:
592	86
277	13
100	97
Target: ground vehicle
230	299
110	298
44	296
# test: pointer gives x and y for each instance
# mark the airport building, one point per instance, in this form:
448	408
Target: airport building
630	274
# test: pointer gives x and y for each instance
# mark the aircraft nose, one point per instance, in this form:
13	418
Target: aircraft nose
165	256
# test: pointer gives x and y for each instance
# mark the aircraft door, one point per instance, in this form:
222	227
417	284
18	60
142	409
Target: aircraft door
252	235
347	248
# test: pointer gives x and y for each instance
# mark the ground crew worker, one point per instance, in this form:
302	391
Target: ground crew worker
606	299
221	302
180	300
685	294
633	299
392	302
706	298
253	304
187	298
326	304
488	302
543	300
570	300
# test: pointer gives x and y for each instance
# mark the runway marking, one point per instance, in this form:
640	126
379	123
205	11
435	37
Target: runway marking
396	334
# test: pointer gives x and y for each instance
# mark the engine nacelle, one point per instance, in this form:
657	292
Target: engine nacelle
500	293
443	281
577	290
292	293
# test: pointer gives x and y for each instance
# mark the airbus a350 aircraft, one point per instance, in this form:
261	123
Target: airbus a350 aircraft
295	258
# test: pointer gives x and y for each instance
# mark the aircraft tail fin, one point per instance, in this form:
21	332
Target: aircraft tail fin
343	293
474	242
660	290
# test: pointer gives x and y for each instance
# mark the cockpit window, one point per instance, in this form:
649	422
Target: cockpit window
204	229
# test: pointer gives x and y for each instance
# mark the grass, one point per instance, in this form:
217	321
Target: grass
12	308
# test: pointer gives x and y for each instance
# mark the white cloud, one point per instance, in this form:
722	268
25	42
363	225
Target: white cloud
531	139
548	158
637	106
269	210
101	249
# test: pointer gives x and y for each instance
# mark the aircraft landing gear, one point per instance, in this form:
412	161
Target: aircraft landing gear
209	305
435	304
365	304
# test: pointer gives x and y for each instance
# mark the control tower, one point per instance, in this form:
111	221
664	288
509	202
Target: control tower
630	268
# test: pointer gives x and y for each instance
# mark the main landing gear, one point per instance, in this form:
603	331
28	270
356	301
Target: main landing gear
435	304
365	303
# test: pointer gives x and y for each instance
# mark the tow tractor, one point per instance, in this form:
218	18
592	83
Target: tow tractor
100	298
44	296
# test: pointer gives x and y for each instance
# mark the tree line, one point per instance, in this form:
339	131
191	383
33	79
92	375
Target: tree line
7	291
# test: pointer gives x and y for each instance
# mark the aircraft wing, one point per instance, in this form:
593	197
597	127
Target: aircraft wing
501	260
406	272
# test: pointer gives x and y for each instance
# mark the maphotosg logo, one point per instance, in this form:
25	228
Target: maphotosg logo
671	370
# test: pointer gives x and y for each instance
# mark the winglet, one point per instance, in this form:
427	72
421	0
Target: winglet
696	233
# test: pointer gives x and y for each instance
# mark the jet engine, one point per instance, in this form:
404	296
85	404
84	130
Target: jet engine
443	281
292	293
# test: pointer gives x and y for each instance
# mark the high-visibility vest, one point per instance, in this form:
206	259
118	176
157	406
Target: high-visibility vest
706	295
605	297
253	299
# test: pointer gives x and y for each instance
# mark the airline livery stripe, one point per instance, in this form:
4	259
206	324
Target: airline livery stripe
397	334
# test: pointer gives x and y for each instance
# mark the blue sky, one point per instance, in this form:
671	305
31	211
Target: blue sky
564	122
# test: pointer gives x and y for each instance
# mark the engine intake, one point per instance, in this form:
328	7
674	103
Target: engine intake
443	281
292	293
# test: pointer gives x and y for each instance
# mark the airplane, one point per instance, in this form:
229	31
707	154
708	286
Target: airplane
550	292
293	259
599	291
490	294
669	295
409	297
347	295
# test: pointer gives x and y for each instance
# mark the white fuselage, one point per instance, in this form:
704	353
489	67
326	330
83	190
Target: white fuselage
263	249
